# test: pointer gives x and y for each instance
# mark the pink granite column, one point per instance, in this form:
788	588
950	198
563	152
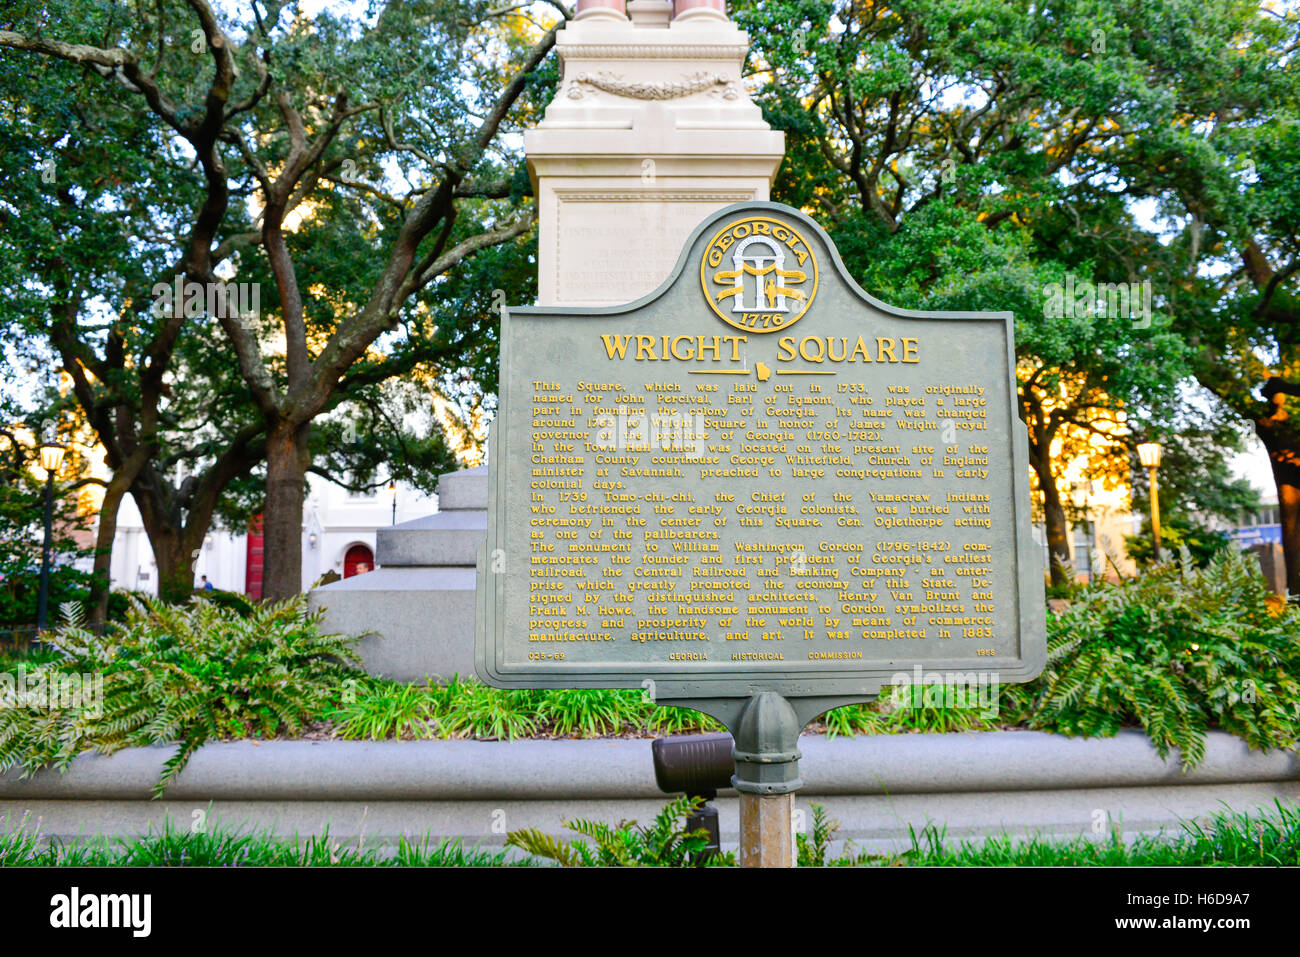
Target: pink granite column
601	10
703	9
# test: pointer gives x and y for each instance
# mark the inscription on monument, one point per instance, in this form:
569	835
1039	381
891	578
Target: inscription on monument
698	491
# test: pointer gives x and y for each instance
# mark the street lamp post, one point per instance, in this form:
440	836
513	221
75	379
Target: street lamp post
392	490
1081	495
1149	455
51	459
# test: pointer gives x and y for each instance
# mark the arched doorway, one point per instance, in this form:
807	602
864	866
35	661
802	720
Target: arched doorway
358	560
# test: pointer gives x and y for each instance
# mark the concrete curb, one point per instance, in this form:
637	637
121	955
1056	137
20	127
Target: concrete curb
622	768
974	784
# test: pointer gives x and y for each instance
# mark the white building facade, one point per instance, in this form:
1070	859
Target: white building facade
339	528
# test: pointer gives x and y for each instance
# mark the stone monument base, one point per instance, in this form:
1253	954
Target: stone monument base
417	606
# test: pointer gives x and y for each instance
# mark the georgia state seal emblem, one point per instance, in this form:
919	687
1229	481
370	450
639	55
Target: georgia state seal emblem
759	274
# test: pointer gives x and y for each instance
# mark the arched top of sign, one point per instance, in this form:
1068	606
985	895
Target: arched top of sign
811	241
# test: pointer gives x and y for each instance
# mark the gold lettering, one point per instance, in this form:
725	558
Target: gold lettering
861	348
821	349
615	344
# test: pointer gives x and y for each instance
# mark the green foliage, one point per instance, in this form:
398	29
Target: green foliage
667	720
376	711
1177	650
665	843
570	712
909	713
475	710
1177	532
20	588
1067	589
372	709
1227	839
218	846
231	600
22	510
185	674
813	848
1232	839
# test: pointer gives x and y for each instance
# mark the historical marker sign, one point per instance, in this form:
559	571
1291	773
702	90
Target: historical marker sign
757	478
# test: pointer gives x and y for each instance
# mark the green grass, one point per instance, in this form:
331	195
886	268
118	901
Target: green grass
376	710
220	847
372	709
1227	839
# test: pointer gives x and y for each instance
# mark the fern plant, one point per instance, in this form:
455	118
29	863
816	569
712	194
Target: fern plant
183	674
1177	651
664	843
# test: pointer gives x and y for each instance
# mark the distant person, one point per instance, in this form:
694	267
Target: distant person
207	585
363	567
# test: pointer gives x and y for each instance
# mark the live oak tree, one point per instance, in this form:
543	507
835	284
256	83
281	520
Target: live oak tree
973	153
94	214
1228	185
371	158
22	510
1217	160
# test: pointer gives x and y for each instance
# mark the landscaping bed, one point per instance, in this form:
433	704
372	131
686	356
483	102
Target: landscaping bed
1176	652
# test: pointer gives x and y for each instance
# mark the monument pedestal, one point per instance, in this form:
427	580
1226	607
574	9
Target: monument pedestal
650	131
419	602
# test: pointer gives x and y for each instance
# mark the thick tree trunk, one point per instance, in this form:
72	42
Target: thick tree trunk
175	555
173	542
287	458
1282	441
100	583
1058	540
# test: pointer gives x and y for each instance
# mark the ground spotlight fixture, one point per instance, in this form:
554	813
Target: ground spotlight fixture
698	765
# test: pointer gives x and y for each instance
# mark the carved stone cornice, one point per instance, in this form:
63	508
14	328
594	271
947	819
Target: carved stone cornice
652	51
653	196
702	81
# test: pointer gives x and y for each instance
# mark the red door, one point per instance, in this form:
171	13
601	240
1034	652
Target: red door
358	560
253	559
